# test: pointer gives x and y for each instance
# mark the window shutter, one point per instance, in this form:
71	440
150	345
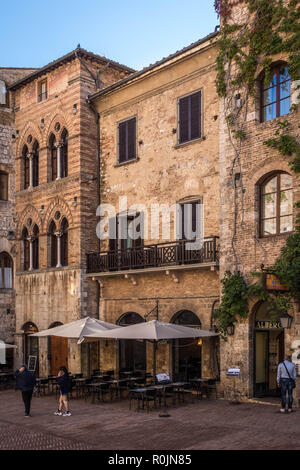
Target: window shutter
131	152
184	119
195	115
112	233
122	142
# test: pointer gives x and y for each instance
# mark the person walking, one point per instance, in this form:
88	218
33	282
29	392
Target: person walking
25	381
286	378
63	381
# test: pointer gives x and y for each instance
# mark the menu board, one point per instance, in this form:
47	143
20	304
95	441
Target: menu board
32	363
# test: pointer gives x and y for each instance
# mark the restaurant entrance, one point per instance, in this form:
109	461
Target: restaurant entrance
132	353
31	343
268	352
58	351
186	353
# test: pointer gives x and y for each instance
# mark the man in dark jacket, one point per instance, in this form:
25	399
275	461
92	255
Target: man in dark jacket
25	381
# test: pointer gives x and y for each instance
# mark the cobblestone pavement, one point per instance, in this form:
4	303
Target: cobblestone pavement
204	424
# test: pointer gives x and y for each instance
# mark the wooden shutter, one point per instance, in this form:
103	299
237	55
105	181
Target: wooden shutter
122	142
127	140
54	163
195	115
65	160
184	119
64	249
190	117
139	242
131	132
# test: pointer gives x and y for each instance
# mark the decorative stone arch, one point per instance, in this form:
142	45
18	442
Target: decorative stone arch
30	129
182	318
57	205
30	212
63	122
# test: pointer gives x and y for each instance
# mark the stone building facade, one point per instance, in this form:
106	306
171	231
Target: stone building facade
149	279
248	239
7	207
56	188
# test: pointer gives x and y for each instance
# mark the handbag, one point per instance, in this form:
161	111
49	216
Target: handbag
292	380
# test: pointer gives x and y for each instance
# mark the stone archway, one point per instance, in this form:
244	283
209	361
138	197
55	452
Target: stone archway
132	353
267	345
186	353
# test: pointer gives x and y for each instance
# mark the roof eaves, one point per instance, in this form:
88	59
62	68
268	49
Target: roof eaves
66	58
153	66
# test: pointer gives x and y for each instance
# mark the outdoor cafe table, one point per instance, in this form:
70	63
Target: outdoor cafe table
140	391
199	382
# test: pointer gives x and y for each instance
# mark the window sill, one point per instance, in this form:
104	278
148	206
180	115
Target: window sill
7	290
275	237
133	160
184	144
266	124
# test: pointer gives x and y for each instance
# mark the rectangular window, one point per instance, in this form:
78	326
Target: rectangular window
189	222
126	232
42	90
127	140
190	117
3	94
3	186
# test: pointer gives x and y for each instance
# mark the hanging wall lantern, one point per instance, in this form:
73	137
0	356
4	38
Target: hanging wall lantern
285	320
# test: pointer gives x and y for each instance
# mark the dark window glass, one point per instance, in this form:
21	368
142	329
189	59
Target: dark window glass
35	248
6	271
276	95
190	117
53	245
53	152
189	223
64	243
26	249
3	186
26	166
35	165
64	160
127	140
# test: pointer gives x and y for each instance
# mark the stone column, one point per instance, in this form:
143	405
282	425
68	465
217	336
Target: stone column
58	238
30	239
59	147
31	155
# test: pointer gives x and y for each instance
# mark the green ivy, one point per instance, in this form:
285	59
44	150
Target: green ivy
272	28
234	303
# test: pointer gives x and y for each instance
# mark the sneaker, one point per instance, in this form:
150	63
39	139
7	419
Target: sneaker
58	413
27	416
289	410
67	414
282	410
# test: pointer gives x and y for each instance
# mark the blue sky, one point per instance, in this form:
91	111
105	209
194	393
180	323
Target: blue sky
132	32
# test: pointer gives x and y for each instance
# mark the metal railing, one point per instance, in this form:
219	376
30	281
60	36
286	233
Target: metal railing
152	256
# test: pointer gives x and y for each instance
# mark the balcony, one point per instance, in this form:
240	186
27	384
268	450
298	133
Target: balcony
162	255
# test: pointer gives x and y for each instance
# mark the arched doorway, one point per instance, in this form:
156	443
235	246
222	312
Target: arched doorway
58	351
31	343
186	353
132	353
268	351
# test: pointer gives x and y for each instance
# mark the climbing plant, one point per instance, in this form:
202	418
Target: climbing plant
247	43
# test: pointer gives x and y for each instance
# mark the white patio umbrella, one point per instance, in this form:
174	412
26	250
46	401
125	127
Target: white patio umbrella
152	331
7	346
77	329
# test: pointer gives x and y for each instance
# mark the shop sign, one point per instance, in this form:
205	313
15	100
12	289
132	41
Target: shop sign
233	371
267	324
272	282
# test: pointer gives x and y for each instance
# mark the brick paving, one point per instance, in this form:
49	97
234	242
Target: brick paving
206	424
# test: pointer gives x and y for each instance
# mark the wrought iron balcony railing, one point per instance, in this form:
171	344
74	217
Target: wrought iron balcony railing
152	256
